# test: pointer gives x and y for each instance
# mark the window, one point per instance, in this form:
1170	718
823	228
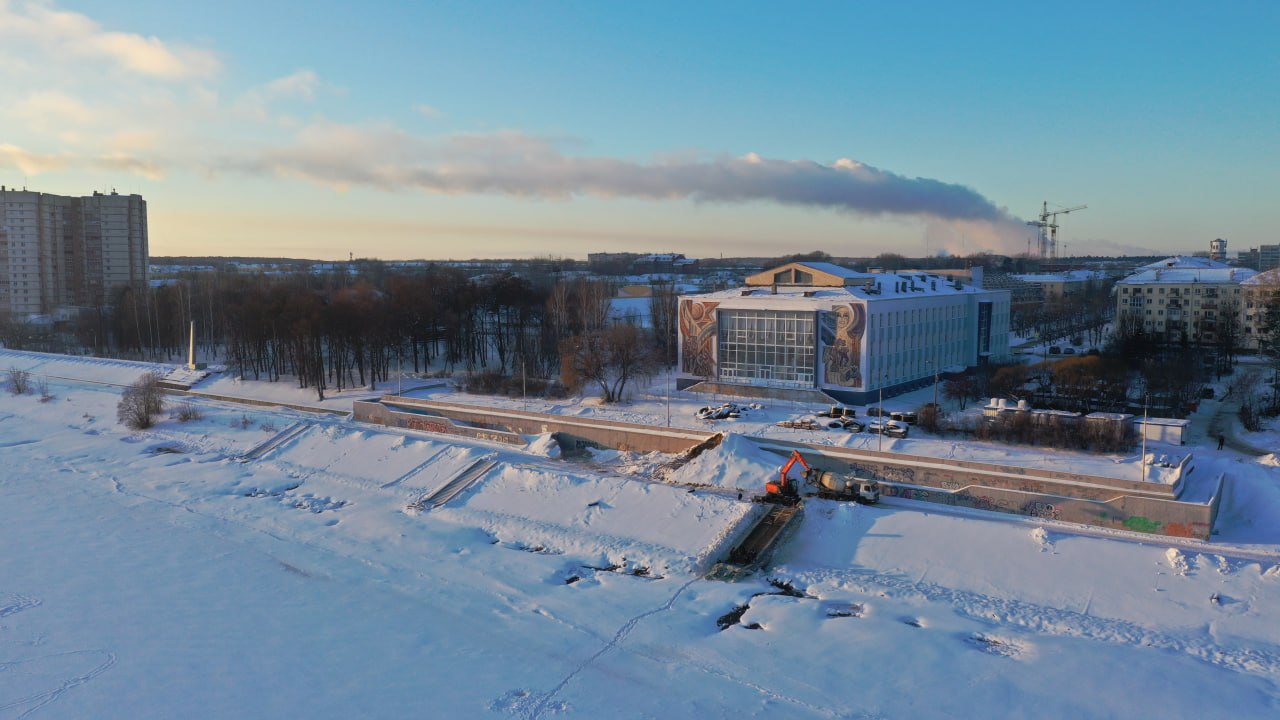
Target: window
767	347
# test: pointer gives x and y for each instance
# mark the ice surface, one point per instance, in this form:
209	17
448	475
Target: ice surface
153	575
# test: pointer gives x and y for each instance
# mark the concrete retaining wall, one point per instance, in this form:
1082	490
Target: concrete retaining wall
1053	494
501	424
1125	512
1070	497
374	412
570	431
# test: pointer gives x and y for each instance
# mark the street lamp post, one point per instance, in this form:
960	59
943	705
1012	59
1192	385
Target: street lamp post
1142	461
668	396
935	385
880	435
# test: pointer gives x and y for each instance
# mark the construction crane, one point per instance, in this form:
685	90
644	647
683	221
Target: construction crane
1048	225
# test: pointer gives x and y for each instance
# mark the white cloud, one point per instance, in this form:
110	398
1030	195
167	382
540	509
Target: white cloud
52	107
300	85
68	34
428	111
30	163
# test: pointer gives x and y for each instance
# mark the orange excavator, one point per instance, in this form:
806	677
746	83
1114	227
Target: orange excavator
784	490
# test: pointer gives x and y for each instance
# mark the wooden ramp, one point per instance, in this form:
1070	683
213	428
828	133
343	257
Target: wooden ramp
755	551
454	487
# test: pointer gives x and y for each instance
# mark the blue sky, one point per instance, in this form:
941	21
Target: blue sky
516	129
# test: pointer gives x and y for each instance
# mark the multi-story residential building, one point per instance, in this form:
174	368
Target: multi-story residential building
1182	298
1268	257
58	251
810	327
1056	286
1259	291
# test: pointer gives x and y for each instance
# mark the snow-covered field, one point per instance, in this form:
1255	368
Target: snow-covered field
155	575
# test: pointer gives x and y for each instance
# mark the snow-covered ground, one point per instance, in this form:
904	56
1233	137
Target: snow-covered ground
154	574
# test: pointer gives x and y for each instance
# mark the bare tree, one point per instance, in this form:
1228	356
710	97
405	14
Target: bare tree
960	389
141	403
610	358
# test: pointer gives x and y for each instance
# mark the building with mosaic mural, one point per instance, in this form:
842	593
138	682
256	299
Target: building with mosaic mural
811	329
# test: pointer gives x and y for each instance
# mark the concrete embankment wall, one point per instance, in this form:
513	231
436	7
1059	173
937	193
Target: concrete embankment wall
1057	495
1054	494
571	432
375	412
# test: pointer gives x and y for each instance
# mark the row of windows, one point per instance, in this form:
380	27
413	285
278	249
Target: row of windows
1210	291
765	347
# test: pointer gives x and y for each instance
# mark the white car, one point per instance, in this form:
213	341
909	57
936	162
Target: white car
891	428
728	410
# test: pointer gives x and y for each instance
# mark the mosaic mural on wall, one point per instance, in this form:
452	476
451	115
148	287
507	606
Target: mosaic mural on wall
698	337
842	330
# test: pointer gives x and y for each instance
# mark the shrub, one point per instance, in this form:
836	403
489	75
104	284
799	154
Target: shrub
141	403
244	422
42	387
188	411
19	381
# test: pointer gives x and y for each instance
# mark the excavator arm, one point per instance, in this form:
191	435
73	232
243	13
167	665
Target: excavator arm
783	486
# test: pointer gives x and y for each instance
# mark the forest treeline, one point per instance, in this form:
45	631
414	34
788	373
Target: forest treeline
337	331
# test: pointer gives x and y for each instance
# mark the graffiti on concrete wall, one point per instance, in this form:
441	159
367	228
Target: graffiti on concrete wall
435	426
1039	509
1138	523
698	337
884	472
842	330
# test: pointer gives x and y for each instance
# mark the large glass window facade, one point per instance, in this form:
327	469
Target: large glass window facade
767	347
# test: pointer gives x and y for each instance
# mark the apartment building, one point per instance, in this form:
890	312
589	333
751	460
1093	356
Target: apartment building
58	251
1182	298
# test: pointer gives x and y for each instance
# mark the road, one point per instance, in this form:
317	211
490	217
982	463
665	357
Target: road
1222	422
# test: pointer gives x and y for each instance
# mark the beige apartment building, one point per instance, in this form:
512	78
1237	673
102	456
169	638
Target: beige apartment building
1259	290
58	251
1184	297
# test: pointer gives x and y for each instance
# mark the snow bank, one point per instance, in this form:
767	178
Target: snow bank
622	520
544	445
735	463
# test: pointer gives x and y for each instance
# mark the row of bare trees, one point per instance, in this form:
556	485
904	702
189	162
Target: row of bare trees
336	331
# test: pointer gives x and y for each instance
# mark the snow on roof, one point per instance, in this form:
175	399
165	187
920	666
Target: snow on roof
1270	277
1068	276
1216	275
832	269
883	286
1184	261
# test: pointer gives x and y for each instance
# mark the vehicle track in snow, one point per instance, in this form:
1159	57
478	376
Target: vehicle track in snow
541	706
14	603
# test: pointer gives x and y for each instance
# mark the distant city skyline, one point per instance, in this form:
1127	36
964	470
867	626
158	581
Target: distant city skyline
472	130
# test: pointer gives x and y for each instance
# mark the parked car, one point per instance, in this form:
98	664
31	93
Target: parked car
908	417
875	412
1055	350
727	410
890	428
846	423
1068	351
